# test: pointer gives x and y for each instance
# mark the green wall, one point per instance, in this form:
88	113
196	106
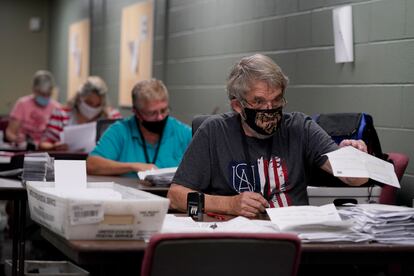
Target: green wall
105	42
22	52
207	36
105	19
63	13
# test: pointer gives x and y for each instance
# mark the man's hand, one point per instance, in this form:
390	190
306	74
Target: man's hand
248	204
358	144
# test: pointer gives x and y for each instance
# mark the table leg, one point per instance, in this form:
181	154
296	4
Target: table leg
16	235
22	236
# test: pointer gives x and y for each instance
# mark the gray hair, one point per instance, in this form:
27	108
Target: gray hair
250	70
93	84
148	90
43	82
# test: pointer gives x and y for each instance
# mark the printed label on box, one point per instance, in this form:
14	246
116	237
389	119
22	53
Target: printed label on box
115	234
86	213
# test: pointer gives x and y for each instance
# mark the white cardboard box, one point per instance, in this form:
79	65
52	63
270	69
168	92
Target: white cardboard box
324	195
136	216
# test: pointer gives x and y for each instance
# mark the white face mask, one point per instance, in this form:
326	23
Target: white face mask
89	111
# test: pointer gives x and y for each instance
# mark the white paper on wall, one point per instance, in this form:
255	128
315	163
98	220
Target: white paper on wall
134	51
343	34
76	53
134	45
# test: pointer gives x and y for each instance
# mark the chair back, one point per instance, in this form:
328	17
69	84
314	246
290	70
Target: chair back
102	125
206	254
400	161
389	193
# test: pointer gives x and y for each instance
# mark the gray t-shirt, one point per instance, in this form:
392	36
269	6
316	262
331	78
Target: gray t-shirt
215	161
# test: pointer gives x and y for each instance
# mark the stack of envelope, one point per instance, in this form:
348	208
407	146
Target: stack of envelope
386	223
38	167
316	224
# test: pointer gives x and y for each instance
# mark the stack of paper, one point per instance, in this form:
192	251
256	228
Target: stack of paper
316	224
144	174
5	157
38	167
70	182
10	146
159	177
386	223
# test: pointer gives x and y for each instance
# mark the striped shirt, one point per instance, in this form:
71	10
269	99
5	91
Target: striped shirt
65	116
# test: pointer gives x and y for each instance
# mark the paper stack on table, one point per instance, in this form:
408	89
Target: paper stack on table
71	182
386	223
158	177
165	171
316	224
174	224
38	166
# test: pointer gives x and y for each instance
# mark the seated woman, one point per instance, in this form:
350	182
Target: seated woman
30	114
89	104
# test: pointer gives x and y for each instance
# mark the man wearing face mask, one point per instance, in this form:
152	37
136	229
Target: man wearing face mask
148	139
89	104
31	113
256	156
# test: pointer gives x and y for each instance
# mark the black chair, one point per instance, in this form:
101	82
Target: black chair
102	125
348	126
197	121
206	254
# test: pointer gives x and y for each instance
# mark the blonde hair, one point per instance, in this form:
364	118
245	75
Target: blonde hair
250	70
93	84
148	90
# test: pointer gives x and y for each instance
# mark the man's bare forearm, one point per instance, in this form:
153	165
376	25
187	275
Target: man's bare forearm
212	203
101	166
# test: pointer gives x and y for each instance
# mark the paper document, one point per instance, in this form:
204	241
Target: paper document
144	174
294	216
343	35
351	162
80	137
70	175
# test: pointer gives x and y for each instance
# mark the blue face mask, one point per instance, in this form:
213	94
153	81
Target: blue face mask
42	101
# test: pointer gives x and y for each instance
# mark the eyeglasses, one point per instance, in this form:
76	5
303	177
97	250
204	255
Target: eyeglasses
155	113
260	104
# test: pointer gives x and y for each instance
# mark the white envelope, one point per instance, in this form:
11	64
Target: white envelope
351	162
